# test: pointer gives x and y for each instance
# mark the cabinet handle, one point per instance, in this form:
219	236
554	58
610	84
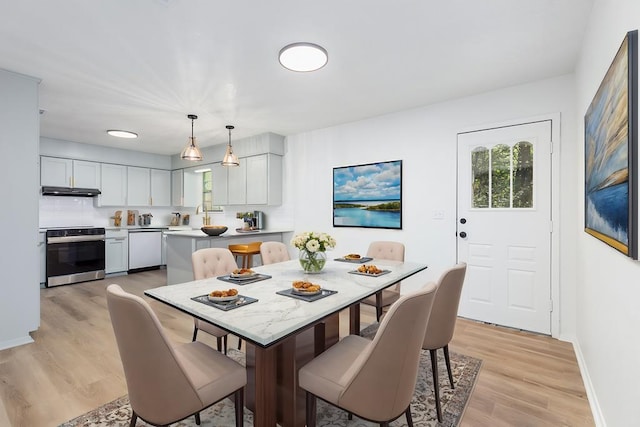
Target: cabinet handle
150	201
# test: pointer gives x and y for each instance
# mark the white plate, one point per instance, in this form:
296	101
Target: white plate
222	299
302	292
243	276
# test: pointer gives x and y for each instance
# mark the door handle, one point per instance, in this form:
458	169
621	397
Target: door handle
463	234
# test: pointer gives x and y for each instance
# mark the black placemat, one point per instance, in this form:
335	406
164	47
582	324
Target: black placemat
226	306
356	261
382	273
308	298
258	277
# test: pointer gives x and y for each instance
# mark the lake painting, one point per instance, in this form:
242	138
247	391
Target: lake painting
610	144
368	195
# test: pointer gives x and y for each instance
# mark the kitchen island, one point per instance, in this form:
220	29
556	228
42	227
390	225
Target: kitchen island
181	244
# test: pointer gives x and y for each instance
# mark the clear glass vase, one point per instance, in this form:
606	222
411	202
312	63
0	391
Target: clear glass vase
312	262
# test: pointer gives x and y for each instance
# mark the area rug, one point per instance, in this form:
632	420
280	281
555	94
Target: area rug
465	372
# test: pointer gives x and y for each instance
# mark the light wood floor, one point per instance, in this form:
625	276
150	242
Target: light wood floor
73	366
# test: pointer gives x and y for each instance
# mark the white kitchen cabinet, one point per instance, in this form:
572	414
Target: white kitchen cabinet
86	174
186	187
56	172
60	172
114	185
177	188
220	184
138	186
237	184
160	187
116	251
257	181
192	188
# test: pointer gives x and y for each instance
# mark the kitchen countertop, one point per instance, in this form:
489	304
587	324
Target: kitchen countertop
229	233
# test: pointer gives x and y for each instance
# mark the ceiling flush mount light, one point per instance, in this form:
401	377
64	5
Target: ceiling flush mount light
122	133
191	151
303	57
230	159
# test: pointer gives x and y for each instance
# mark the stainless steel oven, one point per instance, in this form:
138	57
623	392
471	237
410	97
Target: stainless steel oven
75	255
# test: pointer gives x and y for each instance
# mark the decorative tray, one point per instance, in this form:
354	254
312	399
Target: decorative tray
383	272
226	305
244	280
309	298
356	260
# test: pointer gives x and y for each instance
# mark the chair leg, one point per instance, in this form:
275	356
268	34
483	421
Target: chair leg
239	343
436	386
219	343
195	333
378	306
239	402
225	343
311	410
197	415
409	417
134	418
448	362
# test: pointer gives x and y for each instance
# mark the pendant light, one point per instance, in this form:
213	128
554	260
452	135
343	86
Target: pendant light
191	151
230	159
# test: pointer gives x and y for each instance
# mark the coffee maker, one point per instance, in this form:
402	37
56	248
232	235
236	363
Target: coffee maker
258	220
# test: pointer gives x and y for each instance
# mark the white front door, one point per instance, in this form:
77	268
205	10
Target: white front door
504	225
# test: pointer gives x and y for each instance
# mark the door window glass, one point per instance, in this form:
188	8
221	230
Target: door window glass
480	174
502	176
523	175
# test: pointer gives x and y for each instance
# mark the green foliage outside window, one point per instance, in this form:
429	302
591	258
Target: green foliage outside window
510	183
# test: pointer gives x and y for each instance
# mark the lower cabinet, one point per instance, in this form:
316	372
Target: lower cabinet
116	251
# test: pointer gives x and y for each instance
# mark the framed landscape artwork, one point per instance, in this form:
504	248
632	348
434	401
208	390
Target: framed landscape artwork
368	195
611	144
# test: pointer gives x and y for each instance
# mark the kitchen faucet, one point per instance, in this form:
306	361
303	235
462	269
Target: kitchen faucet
206	220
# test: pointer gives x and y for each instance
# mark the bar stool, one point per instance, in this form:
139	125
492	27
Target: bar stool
245	251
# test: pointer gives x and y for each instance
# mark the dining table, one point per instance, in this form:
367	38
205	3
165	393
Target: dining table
284	330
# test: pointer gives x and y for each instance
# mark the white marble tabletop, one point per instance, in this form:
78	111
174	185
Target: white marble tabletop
276	316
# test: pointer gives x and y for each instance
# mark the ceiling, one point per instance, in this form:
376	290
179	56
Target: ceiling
144	65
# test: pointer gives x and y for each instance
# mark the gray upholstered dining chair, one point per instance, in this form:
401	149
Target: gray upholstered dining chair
212	262
442	323
374	380
169	382
385	250
272	252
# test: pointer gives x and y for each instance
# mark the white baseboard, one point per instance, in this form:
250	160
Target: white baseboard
598	417
15	342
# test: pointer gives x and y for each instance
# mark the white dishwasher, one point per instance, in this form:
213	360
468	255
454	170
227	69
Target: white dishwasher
145	248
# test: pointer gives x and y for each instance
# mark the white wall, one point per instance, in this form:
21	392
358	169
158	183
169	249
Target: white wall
425	140
19	281
608	290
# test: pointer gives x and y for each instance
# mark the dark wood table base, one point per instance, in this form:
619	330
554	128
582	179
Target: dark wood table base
280	365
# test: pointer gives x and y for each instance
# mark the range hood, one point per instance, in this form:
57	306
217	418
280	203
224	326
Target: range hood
69	191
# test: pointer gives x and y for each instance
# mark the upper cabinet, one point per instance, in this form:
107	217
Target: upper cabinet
219	186
264	180
138	186
257	181
114	185
59	172
191	189
237	184
148	187
160	187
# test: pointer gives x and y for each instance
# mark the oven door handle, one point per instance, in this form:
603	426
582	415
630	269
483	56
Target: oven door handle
67	239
